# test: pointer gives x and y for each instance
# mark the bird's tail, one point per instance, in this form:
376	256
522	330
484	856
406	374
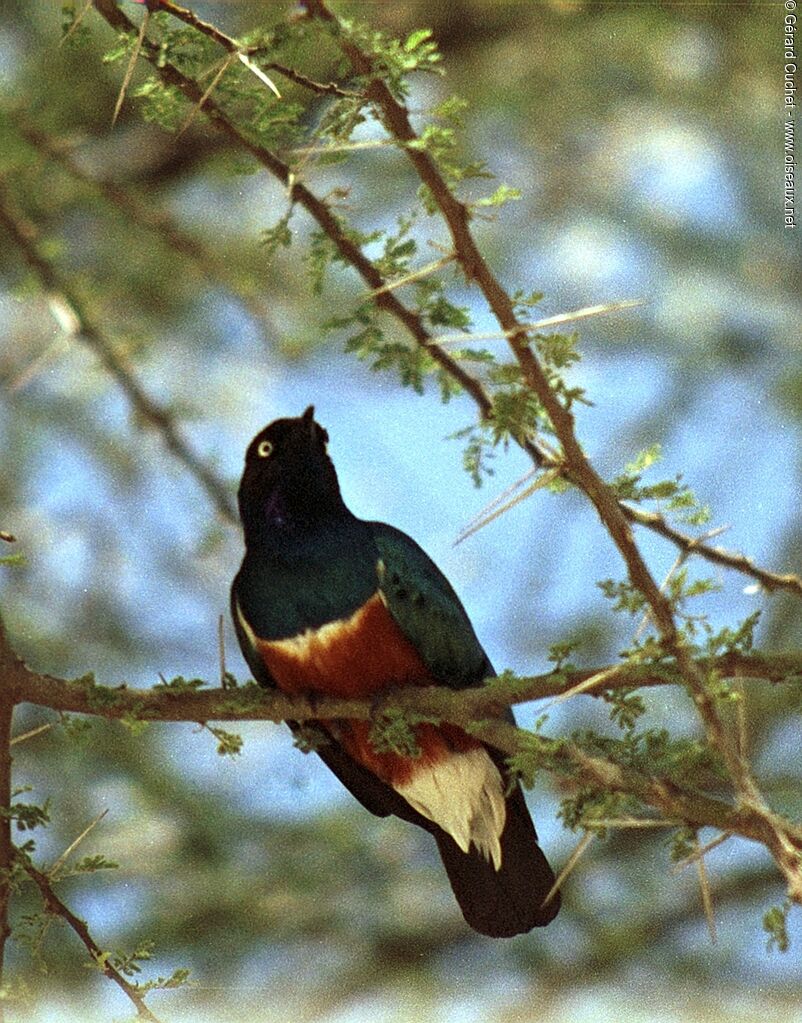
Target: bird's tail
509	901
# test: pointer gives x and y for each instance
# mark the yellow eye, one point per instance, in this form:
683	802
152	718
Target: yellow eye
265	449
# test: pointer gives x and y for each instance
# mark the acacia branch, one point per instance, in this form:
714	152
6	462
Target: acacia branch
475	709
54	905
55	285
735	561
578	468
576	465
322	213
459	707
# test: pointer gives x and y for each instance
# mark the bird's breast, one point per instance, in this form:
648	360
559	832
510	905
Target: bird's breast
355	656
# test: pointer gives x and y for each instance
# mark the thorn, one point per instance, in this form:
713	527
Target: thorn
74	845
29	735
221	646
573	859
129	71
483	519
249	64
226	64
415	275
707	900
549	321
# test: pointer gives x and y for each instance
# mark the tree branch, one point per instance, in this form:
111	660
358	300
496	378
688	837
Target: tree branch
385	300
54	905
475	709
55	285
770	581
576	465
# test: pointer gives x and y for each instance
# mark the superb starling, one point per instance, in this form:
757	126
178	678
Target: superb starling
326	604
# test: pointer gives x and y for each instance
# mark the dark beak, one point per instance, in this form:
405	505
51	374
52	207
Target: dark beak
308	419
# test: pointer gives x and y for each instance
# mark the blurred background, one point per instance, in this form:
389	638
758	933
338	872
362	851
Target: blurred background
646	140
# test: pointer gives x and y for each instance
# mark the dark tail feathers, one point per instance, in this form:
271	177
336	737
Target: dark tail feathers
510	901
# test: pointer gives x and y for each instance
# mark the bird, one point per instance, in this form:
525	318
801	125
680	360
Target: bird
326	604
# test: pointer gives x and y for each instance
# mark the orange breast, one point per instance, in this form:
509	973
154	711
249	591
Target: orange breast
357	656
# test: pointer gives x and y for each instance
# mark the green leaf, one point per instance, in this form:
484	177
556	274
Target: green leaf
775	924
229	744
413	41
123	46
503	194
644	459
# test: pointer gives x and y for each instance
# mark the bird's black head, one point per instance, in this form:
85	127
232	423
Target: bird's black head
289	481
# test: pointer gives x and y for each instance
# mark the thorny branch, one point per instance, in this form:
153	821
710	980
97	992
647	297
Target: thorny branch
576	465
476	709
457	217
54	905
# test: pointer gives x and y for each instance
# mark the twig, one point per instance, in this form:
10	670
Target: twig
770	581
24	234
204	27
76	21
324	89
54	905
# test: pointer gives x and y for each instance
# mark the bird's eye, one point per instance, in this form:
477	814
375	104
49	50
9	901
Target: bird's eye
265	449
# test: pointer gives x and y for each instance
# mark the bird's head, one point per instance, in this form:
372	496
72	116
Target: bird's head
289	480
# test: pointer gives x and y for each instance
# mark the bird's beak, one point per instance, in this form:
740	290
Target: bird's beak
308	418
